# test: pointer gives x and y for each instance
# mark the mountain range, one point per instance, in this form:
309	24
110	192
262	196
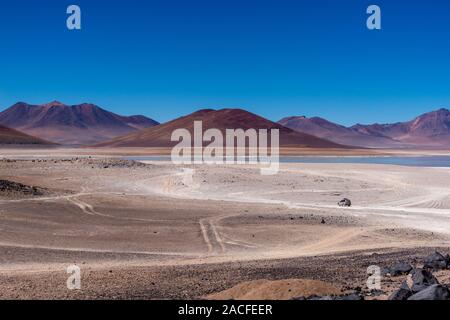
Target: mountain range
82	124
334	132
429	130
88	124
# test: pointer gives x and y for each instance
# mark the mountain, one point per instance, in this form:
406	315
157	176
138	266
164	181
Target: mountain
431	129
325	129
11	136
160	136
71	125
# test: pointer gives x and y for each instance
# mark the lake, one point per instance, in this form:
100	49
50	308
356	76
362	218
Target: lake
422	161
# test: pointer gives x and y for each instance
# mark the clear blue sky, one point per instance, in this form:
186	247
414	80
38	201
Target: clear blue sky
166	58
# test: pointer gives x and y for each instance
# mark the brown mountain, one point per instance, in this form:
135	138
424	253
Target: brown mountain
71	125
325	129
159	136
428	130
11	136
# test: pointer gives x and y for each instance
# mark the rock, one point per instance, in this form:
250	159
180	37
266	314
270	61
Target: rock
325	298
350	297
347	297
436	261
345	203
7	186
386	272
401	294
422	279
376	293
400	268
434	292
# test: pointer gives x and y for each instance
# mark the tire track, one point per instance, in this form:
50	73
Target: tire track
87	208
211	237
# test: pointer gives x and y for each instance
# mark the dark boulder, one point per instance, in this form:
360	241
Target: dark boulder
345	203
385	271
436	261
347	297
350	297
317	298
400	268
422	279
376	293
434	292
401	294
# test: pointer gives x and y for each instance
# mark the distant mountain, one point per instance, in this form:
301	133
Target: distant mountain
11	136
71	125
431	129
160	136
325	129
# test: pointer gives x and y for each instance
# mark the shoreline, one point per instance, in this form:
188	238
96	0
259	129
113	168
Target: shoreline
284	151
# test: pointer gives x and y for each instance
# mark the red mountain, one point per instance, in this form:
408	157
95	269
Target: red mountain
325	129
428	130
11	136
71	125
160	136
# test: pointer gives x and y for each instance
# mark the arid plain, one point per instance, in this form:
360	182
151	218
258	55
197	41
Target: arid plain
155	230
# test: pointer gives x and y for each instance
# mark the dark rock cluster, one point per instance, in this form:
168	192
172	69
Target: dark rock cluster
421	283
7	186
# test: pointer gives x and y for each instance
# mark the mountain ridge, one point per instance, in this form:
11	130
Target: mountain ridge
80	124
431	129
159	136
10	136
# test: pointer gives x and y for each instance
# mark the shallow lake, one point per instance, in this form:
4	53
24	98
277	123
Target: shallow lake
423	161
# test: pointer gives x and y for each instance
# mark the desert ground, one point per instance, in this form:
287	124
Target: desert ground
155	230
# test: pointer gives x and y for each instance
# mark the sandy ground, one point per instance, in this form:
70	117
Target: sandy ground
159	231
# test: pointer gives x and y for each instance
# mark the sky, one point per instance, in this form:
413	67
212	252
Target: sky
277	58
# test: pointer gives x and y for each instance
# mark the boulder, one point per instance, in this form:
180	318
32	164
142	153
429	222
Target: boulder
350	297
347	297
436	261
403	293
400	268
434	292
376	293
345	203
386	271
422	279
316	298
